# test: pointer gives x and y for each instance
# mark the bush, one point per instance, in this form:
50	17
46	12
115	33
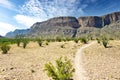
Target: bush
62	46
5	48
25	42
39	41
18	42
98	40
76	40
62	71
84	40
104	41
47	43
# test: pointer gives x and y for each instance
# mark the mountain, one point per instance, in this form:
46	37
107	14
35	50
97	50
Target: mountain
61	26
17	32
99	21
70	26
0	36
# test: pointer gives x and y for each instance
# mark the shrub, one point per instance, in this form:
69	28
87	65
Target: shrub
76	40
25	42
62	46
39	41
62	71
104	41
47	43
18	42
98	40
84	40
5	48
58	39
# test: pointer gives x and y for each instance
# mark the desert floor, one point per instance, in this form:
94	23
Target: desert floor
28	64
98	62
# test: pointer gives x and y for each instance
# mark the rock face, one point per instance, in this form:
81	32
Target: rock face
62	26
99	21
0	36
17	32
67	26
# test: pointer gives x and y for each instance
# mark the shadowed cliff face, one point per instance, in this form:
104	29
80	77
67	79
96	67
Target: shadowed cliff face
56	26
68	26
99	22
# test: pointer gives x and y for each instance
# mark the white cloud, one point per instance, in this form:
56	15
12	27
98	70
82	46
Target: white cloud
5	27
26	20
6	4
40	10
45	9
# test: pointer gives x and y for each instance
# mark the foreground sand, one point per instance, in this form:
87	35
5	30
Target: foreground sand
102	63
28	64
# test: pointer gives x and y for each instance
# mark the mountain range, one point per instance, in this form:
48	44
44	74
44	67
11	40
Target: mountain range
70	26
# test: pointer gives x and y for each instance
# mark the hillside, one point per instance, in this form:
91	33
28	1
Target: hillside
71	26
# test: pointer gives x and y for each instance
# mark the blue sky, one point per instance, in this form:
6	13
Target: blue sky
21	14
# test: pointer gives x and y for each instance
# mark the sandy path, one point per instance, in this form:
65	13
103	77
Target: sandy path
80	71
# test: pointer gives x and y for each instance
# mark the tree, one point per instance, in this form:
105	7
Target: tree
5	48
62	71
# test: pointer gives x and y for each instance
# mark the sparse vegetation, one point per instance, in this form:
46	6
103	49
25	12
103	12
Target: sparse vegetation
84	40
25	42
39	41
105	41
76	40
62	71
98	40
5	48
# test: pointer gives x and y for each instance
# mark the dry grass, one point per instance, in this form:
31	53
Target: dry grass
28	64
103	63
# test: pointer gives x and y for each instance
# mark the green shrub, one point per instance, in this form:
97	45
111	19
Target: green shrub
98	40
5	48
39	41
84	40
62	71
18	41
58	39
76	40
62	46
104	41
25	42
47	43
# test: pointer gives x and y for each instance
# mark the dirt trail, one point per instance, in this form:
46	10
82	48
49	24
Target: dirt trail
80	72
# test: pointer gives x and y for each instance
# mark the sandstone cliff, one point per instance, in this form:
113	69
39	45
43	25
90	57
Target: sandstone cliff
99	21
62	26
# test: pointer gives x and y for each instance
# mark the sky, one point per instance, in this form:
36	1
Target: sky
22	14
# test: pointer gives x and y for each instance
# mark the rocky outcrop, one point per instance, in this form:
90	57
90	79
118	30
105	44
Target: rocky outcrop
99	21
17	32
0	36
63	26
67	26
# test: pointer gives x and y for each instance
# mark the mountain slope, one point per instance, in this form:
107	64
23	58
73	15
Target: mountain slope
71	27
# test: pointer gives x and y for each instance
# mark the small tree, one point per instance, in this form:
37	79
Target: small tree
98	40
25	42
62	71
76	40
5	48
84	40
39	41
104	41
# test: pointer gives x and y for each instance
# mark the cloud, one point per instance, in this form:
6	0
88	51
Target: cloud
6	4
46	9
5	27
26	20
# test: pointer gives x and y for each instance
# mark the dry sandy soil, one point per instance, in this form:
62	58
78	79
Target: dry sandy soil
102	63
28	64
98	62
